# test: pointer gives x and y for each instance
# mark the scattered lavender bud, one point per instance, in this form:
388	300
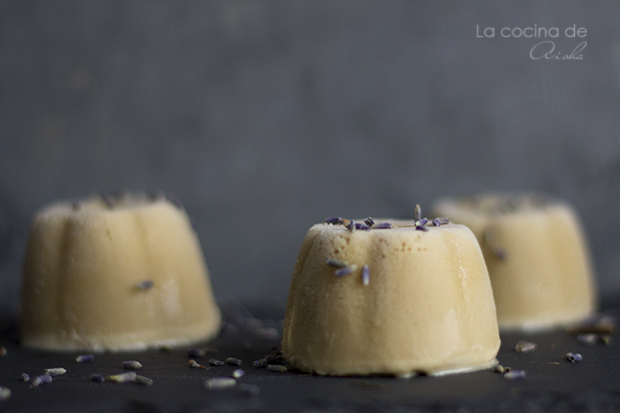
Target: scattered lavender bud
422	222
515	374
332	262
196	352
499	369
334	221
420	228
85	358
587	338
215	362
56	371
361	227
43	379
233	361
3	351
249	389
97	378
345	270
132	365
220	383
278	368
383	225
238	373
145	285
5	393
573	357
443	221
192	363
436	222
365	275
25	377
107	199
369	221
144	380
499	253
261	363
130	376
417	213
351	226
525	347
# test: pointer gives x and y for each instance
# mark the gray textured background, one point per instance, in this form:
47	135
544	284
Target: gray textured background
266	117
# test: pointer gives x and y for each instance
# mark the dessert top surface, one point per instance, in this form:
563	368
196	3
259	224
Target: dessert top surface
109	203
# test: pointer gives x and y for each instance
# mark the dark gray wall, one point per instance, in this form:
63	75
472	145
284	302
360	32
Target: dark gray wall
266	117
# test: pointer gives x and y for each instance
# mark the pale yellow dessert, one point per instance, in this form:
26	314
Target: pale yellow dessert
115	274
395	301
536	254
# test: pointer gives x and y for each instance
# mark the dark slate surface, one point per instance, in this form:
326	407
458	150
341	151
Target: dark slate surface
551	383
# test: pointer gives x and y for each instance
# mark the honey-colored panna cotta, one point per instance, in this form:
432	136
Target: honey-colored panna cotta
394	301
536	254
115	273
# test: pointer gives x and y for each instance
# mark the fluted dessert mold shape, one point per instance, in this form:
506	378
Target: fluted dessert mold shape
537	256
390	297
114	273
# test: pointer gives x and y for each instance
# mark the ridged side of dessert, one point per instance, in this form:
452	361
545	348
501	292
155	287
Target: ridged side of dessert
115	274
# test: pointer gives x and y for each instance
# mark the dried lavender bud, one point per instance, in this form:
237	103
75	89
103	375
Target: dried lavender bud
332	262
215	362
97	378
499	253
334	221
85	358
361	227
345	271
220	383
587	338
25	377
39	380
436	222
5	393
130	376
422	222
144	380
249	389
515	374
351	226
573	357
443	221
107	199
132	365
278	368
233	361
525	347
56	371
196	352
499	369
383	225
369	221
420	228
261	363
417	213
365	275
192	363
145	285
238	373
